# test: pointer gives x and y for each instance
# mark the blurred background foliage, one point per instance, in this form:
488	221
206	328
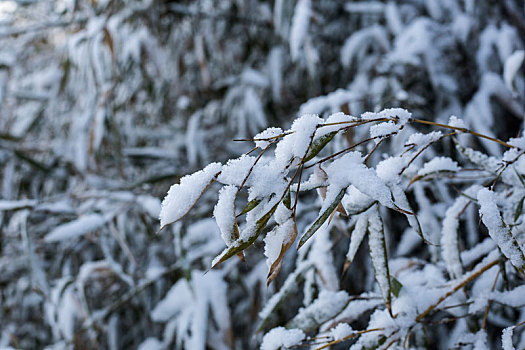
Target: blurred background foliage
104	104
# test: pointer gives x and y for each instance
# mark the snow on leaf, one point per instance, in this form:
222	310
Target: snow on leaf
506	338
324	308
378	254
76	228
174	302
247	236
224	213
438	164
342	330
449	233
299	29
282	338
382	130
277	242
512	66
498	230
11	205
288	287
266	137
182	197
357	236
449	238
350	170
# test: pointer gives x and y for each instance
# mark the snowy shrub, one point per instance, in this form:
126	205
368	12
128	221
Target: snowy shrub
433	270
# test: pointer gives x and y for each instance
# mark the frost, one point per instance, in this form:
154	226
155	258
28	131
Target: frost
181	197
282	338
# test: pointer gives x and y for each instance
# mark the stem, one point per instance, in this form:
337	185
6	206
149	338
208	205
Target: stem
463	283
468	131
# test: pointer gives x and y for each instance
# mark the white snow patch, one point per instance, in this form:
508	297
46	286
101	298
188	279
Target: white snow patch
281	337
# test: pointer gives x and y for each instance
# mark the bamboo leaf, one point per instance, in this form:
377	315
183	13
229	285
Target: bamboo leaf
250	206
322	218
243	243
379	256
498	230
182	197
519	210
291	236
358	234
318	145
396	286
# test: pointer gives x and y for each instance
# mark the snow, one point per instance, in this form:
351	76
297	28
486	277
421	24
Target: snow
276	239
261	139
377	244
449	238
506	338
10	205
357	236
517	142
381	130
289	285
350	170
438	164
151	205
151	344
421	140
181	197
514	297
456	122
498	231
401	116
76	228
331	102
511	68
325	307
235	170
299	29
342	330
388	169
224	213
340	118
282	338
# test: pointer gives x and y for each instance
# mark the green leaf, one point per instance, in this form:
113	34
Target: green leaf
287	201
250	206
396	286
240	245
318	145
321	218
519	210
